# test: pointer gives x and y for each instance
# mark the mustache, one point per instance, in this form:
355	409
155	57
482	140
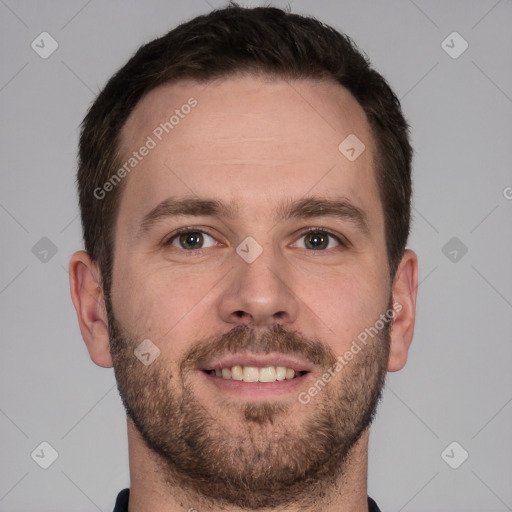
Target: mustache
243	338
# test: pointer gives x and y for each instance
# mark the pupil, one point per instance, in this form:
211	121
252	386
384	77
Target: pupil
316	241
191	240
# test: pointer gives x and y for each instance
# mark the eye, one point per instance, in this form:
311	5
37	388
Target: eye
192	240
317	240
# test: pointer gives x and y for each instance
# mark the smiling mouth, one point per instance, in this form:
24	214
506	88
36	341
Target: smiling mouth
255	373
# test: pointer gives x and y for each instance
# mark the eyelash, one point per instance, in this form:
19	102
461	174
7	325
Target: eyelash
340	240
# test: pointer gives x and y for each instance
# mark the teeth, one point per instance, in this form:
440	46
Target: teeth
255	374
280	373
237	373
251	374
268	374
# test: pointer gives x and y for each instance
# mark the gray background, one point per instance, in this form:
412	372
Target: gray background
457	383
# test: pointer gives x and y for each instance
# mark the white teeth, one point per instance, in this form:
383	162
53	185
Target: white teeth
280	372
237	373
255	374
267	374
251	374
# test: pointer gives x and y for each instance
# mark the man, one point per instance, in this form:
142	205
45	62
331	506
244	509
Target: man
245	189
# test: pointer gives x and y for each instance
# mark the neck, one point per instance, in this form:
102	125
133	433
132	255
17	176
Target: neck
152	489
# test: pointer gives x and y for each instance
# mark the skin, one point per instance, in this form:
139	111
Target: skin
254	144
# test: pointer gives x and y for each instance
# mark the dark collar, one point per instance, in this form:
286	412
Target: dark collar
124	496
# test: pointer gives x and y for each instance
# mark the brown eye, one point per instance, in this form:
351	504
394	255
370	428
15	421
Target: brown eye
317	241
191	240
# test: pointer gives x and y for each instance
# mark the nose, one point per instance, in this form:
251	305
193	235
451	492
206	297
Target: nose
258	293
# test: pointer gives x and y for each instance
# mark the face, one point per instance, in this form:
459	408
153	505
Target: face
251	252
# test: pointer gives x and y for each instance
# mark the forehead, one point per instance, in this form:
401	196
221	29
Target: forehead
246	140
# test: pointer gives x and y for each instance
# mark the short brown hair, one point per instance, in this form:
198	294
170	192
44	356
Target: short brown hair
220	44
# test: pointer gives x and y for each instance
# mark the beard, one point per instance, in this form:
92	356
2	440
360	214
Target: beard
268	458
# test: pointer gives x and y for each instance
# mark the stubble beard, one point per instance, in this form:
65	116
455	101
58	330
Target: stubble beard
268	460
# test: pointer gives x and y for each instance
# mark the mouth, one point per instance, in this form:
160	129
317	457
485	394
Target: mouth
257	375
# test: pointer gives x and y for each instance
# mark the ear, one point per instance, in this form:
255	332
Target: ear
405	286
88	299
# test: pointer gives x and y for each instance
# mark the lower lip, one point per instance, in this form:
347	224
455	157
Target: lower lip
255	390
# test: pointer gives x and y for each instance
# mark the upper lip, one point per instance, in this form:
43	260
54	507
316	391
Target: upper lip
259	360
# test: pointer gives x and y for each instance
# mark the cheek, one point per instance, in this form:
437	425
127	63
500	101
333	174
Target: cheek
344	301
161	304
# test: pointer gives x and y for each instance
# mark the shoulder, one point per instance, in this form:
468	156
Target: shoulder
122	501
372	506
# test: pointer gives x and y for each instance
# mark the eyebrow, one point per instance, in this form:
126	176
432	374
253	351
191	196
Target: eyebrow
186	207
305	208
340	208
